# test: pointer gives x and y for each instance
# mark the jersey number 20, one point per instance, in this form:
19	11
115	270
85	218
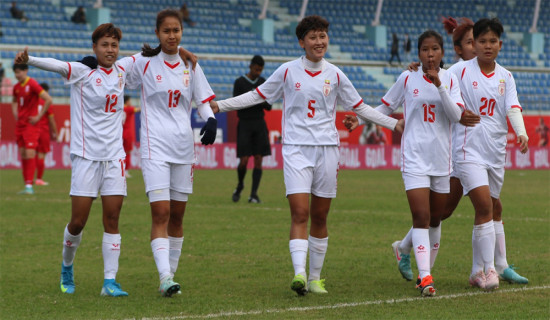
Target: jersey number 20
488	104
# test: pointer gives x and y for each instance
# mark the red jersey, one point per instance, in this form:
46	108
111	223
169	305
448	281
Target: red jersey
44	123
26	95
129	126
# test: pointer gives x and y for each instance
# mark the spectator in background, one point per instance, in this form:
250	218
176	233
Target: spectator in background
394	49
252	134
377	136
186	16
48	129
1	75
128	131
542	131
79	16
17	13
407	48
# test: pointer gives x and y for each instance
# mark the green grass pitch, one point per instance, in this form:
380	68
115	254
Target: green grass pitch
235	261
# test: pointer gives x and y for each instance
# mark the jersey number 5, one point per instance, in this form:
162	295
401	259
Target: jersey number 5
488	104
311	108
173	98
110	106
429	115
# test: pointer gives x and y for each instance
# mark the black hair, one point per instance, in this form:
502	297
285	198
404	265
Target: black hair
432	34
20	66
126	98
45	86
146	50
485	25
106	29
309	23
257	60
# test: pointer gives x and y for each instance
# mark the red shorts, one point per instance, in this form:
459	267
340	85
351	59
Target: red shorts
44	141
27	137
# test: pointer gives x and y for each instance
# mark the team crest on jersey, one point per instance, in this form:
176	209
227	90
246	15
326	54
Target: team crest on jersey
326	88
502	87
415	93
120	81
186	78
98	82
159	78
474	84
27	89
297	86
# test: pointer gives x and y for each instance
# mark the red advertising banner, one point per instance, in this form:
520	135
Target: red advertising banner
224	156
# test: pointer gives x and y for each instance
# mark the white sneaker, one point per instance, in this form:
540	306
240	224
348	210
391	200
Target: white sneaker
492	280
478	280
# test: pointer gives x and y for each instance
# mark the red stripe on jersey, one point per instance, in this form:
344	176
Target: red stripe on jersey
260	93
425	78
462	75
519	107
134	58
106	71
172	66
146	66
404	85
451	83
338	76
384	102
69	75
209	98
284	79
82	120
461	106
313	74
121	68
89	74
488	75
358	104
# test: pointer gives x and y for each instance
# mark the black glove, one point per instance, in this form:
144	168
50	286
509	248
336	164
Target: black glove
90	61
209	130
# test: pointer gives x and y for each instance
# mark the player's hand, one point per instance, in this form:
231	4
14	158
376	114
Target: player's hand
350	122
522	141
413	66
214	106
400	126
469	119
22	57
433	75
89	61
188	55
209	130
53	135
34	119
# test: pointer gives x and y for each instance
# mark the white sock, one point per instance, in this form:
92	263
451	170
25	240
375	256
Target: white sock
435	241
70	244
317	252
477	261
298	253
500	247
111	253
175	253
485	238
160	247
407	242
421	244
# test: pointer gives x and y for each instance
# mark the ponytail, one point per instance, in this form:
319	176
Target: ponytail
147	51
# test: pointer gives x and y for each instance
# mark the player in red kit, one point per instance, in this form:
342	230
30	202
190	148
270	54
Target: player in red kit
48	131
25	111
129	131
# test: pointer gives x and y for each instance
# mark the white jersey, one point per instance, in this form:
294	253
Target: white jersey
490	97
426	141
168	87
97	106
309	101
456	127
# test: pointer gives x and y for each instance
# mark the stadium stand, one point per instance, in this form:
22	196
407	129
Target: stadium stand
224	40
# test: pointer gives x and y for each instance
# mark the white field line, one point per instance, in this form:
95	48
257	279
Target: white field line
341	305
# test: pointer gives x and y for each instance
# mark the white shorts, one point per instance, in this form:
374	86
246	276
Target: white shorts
439	184
159	175
473	175
454	173
89	177
311	169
